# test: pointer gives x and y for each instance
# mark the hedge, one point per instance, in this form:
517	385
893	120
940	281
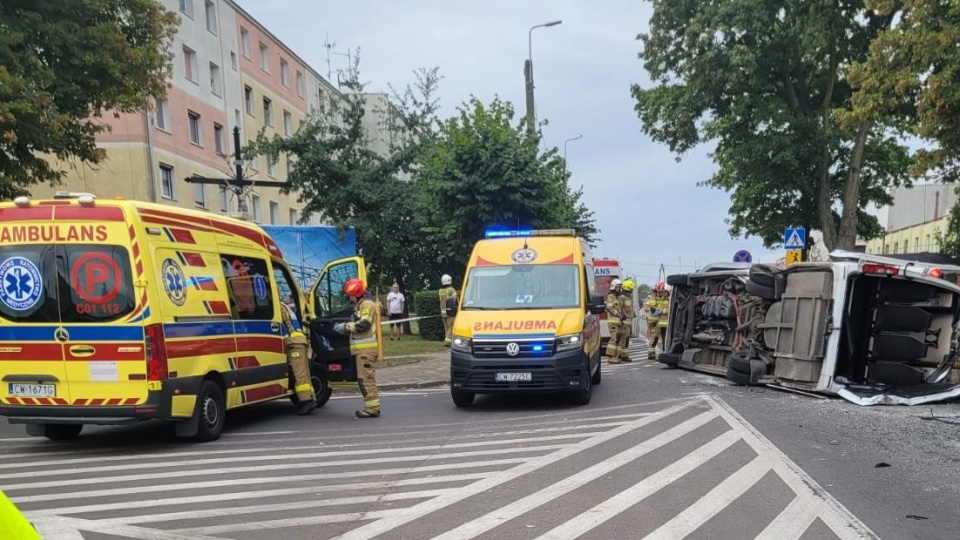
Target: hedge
427	304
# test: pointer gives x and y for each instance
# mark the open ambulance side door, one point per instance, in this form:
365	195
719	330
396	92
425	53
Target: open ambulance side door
328	306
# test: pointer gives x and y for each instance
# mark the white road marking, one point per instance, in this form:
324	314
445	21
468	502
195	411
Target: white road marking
371	530
267	525
792	522
633	495
531	502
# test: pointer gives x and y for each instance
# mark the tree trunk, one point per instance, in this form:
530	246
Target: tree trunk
824	201
847	239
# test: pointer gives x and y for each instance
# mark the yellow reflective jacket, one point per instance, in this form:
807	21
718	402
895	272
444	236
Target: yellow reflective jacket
626	306
445	294
614	308
363	329
13	524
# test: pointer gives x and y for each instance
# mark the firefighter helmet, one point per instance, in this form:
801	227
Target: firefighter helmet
629	285
446	279
354	287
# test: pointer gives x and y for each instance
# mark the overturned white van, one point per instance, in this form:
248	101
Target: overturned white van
870	329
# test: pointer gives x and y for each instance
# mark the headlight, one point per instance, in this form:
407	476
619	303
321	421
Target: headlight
462	344
569	342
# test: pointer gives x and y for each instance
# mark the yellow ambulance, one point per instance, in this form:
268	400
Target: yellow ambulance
527	319
114	311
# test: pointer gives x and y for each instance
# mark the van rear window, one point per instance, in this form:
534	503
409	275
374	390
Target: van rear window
96	284
65	283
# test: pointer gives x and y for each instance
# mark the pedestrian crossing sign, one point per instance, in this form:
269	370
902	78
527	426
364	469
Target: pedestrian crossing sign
794	256
795	238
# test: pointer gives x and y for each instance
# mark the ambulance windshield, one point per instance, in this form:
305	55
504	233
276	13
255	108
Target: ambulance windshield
539	286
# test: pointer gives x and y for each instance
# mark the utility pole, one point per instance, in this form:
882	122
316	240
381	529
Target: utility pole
238	184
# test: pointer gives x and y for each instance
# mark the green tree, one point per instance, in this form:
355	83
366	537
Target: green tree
949	240
339	176
485	171
764	81
62	64
913	74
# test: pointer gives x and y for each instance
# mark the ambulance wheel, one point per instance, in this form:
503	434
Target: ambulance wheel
321	389
211	412
461	398
62	432
583	395
596	377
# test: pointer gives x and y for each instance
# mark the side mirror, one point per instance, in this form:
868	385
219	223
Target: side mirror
596	304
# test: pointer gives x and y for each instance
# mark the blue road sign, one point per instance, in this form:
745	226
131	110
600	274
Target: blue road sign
743	256
794	238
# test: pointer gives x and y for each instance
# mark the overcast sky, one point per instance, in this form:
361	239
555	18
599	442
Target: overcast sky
648	207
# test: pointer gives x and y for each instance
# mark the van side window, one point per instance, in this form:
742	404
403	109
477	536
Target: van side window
287	289
249	287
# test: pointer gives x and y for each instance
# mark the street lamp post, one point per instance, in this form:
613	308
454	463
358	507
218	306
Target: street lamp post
577	138
528	71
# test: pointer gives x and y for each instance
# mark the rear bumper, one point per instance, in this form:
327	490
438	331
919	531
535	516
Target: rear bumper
562	372
156	406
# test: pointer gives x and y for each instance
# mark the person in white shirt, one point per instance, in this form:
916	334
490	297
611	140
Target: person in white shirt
395	302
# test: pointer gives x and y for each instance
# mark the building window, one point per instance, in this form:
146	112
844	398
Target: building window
195	130
271	166
248	99
211	11
218	139
199	195
233	60
301	84
928	243
222	195
264	58
245	42
166	181
916	245
162	115
252	164
896	247
284	73
268	112
186	7
293	216
255	207
190	67
287	123
215	85
274	213
236	117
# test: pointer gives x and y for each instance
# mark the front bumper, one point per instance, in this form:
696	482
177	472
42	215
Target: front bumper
564	371
156	406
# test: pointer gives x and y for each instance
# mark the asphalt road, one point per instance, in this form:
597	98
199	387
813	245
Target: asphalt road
659	453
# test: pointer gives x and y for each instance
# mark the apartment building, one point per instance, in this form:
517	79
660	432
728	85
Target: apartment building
917	215
228	71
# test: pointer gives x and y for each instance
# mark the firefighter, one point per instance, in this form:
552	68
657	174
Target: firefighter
298	356
614	321
664	312
628	314
655	309
363	344
446	293
13	524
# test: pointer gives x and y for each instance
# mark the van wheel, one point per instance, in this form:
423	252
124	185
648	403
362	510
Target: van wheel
321	389
596	377
211	412
583	395
62	432
461	398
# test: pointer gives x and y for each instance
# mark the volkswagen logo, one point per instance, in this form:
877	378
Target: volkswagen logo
513	349
61	335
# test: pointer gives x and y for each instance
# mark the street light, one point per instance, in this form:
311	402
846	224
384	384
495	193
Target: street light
528	70
577	138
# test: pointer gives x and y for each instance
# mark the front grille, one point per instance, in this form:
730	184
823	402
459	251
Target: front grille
527	349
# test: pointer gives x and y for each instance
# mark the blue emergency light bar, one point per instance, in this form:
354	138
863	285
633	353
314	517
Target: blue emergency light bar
516	233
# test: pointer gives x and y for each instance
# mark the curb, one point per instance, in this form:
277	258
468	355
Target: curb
420	384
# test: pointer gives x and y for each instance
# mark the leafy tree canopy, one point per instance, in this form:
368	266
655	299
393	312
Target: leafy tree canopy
764	80
61	65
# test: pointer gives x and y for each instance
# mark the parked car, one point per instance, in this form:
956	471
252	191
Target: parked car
870	329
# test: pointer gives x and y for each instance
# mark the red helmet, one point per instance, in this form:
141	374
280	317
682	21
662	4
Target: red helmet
660	286
354	287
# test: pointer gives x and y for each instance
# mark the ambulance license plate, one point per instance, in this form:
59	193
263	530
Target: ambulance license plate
514	377
32	390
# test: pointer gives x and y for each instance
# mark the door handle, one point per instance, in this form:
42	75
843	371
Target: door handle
82	351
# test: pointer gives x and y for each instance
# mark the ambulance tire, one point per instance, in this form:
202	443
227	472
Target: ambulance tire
596	378
583	395
678	280
211	412
62	432
461	398
321	389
